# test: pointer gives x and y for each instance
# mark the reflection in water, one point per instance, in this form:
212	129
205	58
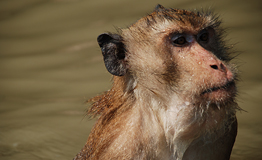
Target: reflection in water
50	64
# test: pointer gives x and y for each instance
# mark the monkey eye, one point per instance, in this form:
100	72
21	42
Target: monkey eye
179	40
204	37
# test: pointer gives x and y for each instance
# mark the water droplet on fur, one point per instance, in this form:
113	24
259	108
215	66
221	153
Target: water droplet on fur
208	104
218	106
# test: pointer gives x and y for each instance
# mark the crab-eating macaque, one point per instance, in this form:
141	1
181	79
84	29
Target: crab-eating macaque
173	92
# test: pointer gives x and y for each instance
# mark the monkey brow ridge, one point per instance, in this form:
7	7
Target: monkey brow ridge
178	16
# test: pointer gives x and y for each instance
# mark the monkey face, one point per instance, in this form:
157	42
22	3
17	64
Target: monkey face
202	75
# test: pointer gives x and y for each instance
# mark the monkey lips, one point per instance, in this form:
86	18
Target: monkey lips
220	93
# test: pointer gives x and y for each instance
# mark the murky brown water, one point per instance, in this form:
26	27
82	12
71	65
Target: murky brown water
50	64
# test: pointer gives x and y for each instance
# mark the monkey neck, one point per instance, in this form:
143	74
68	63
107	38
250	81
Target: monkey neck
188	123
185	123
164	120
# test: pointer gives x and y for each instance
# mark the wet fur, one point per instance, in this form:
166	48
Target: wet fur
146	114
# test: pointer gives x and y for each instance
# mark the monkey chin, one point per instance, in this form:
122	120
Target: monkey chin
220	94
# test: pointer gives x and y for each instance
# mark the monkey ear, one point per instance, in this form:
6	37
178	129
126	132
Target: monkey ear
113	50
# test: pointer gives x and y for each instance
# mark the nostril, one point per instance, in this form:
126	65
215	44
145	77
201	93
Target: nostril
214	66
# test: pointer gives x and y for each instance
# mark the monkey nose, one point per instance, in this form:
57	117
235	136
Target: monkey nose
222	68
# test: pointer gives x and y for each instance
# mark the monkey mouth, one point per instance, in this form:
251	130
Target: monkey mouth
227	87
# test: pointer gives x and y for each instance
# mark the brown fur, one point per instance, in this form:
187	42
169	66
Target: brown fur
156	110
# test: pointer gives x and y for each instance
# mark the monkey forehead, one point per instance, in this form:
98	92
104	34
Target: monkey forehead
170	20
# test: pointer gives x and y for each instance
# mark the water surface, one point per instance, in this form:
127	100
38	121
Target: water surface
51	64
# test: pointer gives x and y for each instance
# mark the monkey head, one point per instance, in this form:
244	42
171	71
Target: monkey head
173	51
